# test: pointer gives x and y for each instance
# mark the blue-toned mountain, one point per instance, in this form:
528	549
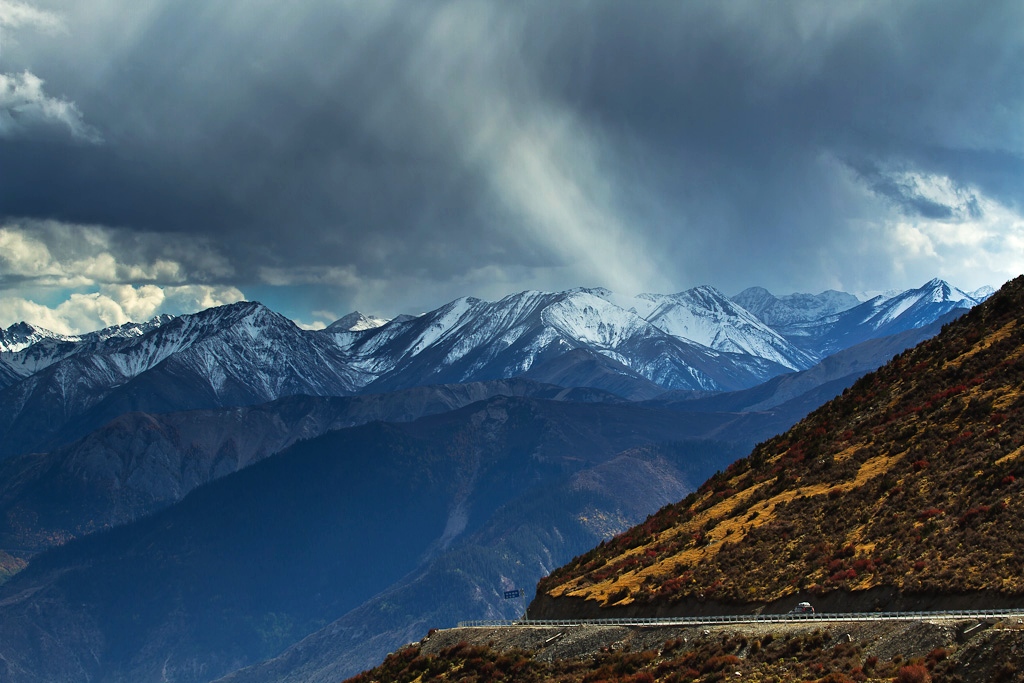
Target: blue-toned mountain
879	317
61	388
439	513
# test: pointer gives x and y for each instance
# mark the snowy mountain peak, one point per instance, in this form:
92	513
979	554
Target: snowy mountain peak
943	291
21	335
129	329
711	298
872	295
935	290
982	293
708	317
357	322
248	315
596	291
880	316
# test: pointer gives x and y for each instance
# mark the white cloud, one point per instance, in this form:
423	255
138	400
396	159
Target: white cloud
115	305
26	109
321	320
977	241
102	277
53	254
22	254
135	303
18	15
316	325
912	241
191	298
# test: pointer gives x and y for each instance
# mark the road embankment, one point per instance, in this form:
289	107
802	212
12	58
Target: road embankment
972	648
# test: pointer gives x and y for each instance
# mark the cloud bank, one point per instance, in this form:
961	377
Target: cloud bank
96	272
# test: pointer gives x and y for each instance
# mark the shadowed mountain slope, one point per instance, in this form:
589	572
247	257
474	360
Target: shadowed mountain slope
251	563
905	491
139	462
511	550
585	368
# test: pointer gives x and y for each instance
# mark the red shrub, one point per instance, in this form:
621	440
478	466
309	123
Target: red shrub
970	514
913	673
642	677
863	565
844	575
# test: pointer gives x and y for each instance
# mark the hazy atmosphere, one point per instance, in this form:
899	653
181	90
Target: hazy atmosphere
324	156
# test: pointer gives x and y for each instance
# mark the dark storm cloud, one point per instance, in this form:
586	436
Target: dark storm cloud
749	100
378	149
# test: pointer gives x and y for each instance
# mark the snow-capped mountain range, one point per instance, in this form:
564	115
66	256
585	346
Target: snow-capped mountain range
879	317
471	340
244	353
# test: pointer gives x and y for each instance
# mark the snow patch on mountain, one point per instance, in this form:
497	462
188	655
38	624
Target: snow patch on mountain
20	336
879	317
357	322
933	292
706	316
592	320
982	293
26	350
868	295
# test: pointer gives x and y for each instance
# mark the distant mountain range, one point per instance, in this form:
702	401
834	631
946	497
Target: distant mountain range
236	484
57	389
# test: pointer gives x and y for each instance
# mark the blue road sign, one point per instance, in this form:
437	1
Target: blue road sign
513	594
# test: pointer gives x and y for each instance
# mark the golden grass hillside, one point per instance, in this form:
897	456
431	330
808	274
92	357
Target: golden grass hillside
910	481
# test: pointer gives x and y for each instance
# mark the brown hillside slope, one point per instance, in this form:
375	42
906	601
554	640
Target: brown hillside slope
906	487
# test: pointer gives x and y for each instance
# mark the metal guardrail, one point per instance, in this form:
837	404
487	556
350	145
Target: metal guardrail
750	619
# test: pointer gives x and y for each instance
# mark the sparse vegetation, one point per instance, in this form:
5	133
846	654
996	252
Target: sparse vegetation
816	655
909	480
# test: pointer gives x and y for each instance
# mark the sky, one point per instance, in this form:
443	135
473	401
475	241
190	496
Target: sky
325	156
